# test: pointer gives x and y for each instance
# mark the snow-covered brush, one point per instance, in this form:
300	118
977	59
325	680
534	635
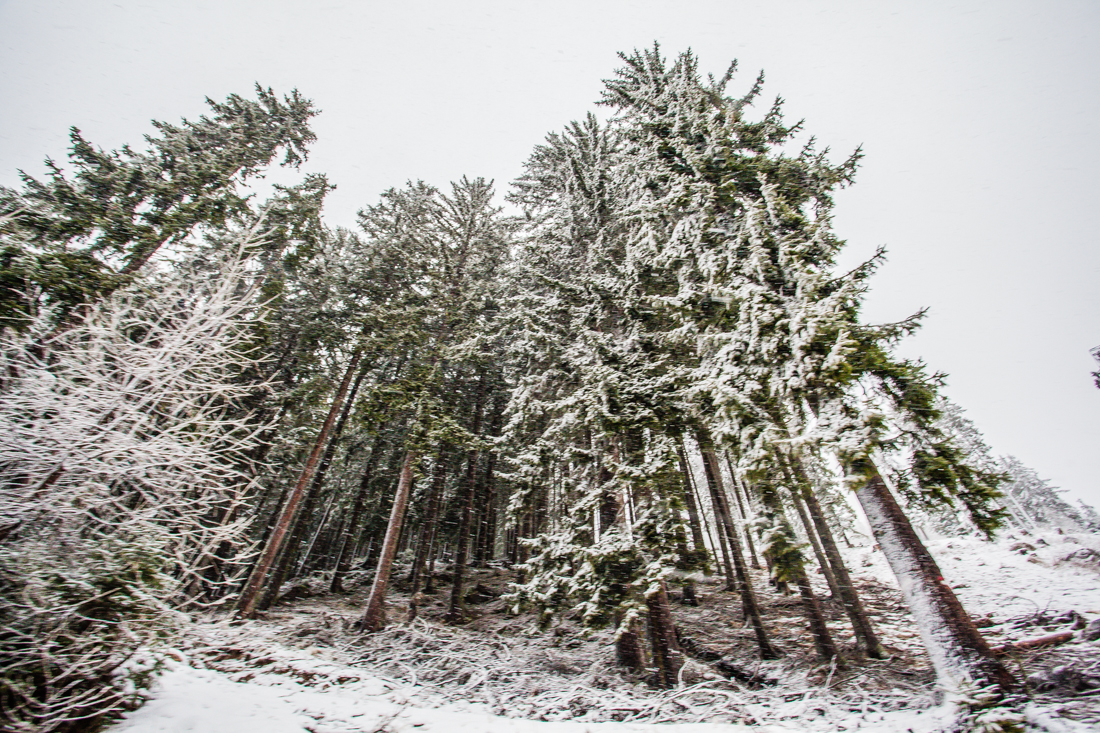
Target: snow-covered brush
122	469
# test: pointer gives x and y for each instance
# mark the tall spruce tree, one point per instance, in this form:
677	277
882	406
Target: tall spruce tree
447	250
738	232
69	240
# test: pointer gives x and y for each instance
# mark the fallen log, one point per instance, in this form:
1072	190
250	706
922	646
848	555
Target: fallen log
1013	646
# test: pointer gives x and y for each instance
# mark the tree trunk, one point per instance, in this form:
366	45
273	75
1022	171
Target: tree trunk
246	605
689	502
303	562
327	550
839	526
815	543
748	597
431	521
959	653
374	617
347	543
727	563
291	547
629	652
737	487
823	641
789	564
285	557
662	636
487	536
456	613
853	606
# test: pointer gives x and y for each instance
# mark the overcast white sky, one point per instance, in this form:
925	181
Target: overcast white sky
978	121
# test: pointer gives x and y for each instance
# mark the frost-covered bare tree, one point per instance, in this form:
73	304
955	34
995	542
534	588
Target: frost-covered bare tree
122	467
1032	502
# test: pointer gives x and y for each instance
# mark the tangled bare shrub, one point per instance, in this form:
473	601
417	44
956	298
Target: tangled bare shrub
122	469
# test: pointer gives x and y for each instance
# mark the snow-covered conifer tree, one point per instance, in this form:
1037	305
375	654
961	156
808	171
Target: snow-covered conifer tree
71	239
595	400
738	237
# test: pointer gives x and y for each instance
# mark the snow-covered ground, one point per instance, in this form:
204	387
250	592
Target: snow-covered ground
262	685
203	700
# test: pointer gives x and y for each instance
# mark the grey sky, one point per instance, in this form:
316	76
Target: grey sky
977	120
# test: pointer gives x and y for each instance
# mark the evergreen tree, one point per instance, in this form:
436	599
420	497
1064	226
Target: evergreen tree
71	240
738	241
446	250
594	403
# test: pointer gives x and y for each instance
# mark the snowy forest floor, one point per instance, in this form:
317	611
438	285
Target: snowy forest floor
304	667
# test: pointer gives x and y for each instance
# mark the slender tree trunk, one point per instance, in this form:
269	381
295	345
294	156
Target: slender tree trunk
374	616
486	538
748	597
269	528
246	605
723	542
708	533
694	556
815	543
290	549
304	561
727	563
328	548
431	521
737	487
457	611
823	641
839	526
790	564
689	502
347	543
284	559
662	636
959	653
853	606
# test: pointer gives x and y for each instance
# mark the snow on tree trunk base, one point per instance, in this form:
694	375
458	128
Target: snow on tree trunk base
959	653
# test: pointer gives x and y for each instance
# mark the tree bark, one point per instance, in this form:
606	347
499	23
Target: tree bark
662	636
853	606
823	641
744	514
958	651
351	528
629	652
815	543
727	563
246	605
748	597
374	616
689	502
431	521
787	560
487	537
839	526
456	613
290	548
